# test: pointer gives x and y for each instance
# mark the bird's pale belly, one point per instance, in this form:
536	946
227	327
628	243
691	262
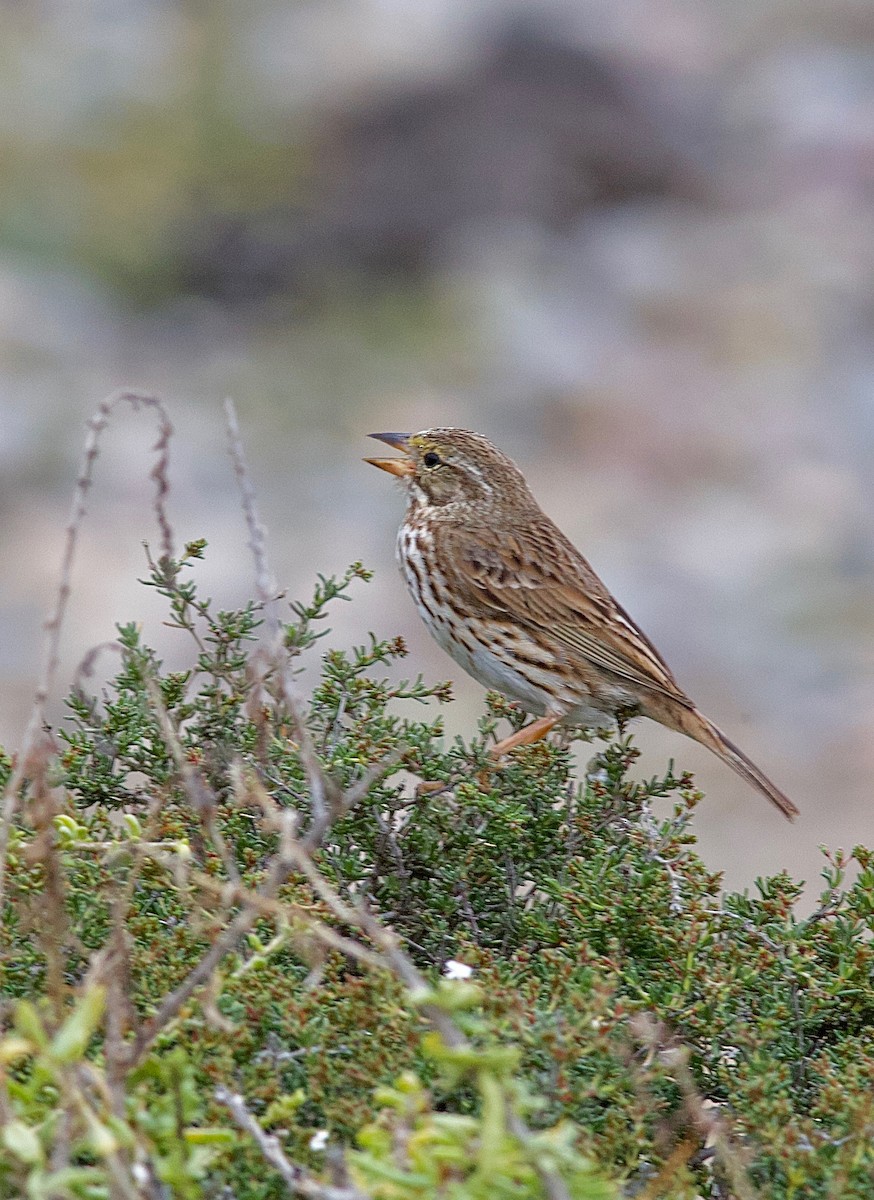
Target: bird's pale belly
535	690
511	662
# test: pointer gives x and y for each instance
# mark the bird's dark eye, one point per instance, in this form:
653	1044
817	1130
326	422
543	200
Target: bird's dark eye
431	459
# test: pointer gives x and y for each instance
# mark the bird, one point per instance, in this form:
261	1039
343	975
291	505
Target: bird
514	603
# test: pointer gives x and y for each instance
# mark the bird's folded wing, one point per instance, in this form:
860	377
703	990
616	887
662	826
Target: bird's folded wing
537	578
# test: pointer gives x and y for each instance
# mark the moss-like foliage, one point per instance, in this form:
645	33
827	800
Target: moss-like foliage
657	1037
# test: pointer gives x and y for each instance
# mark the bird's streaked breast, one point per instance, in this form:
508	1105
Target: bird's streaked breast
504	659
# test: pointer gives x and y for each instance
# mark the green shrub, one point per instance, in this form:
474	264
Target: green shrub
225	904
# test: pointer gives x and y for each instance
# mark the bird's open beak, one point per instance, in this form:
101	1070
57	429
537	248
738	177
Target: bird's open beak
394	466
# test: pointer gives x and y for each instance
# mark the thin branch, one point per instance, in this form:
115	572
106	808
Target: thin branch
91	450
231	894
709	1124
197	977
54	622
440	1020
199	974
265	582
200	794
341	802
324	793
647	823
298	1181
85	668
290	855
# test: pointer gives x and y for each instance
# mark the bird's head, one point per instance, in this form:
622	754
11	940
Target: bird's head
452	467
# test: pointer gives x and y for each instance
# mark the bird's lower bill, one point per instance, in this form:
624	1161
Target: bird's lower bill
394	466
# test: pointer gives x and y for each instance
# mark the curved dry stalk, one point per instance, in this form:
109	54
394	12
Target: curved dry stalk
34	742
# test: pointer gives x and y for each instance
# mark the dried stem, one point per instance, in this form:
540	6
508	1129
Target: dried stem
265	582
708	1123
405	970
200	974
298	1181
54	622
200	794
235	894
324	793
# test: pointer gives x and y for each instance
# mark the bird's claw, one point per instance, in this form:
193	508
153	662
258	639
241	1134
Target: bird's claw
430	786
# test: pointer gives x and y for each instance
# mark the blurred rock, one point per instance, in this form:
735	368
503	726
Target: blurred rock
533	130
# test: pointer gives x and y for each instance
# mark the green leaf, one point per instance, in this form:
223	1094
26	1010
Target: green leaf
210	1136
22	1141
29	1024
71	1040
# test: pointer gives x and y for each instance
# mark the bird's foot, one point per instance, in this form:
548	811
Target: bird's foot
524	737
429	786
625	714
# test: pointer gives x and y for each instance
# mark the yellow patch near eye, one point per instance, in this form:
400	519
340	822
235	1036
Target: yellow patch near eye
427	446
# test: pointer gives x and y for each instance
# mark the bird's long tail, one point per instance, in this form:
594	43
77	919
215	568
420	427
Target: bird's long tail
695	725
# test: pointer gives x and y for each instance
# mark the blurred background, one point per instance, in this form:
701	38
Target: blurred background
630	240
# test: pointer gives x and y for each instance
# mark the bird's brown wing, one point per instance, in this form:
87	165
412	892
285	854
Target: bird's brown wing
535	577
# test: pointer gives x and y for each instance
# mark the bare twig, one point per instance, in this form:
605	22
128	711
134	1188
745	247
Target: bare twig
298	1181
197	977
231	894
55	620
201	972
202	798
708	1122
53	928
96	426
440	1020
650	829
342	802
324	793
85	668
290	855
265	582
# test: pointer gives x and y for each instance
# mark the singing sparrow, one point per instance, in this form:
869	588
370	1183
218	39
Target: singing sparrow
510	598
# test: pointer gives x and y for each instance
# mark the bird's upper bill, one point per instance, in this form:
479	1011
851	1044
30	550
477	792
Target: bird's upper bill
394	466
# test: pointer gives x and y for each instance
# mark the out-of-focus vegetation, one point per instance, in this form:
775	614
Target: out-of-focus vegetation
125	126
148	145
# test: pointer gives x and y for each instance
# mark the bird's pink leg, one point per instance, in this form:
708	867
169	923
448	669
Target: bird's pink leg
524	737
